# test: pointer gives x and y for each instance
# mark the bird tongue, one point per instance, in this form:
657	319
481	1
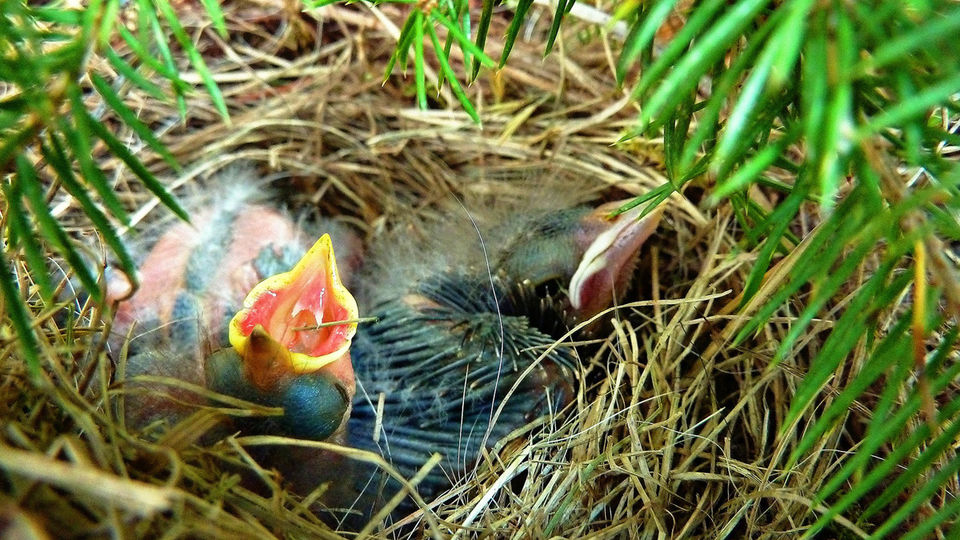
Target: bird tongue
301	320
609	257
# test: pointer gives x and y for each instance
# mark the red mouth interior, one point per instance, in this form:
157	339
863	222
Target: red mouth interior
306	301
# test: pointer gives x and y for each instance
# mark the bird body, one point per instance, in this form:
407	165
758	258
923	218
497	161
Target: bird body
469	312
464	351
194	278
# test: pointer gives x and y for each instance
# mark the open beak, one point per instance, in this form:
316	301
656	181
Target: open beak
610	256
297	322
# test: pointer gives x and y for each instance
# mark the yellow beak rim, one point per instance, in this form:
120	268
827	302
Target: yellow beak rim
307	310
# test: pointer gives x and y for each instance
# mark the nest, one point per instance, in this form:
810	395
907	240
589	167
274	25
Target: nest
674	432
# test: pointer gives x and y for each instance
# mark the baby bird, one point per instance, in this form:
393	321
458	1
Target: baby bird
467	309
197	276
468	312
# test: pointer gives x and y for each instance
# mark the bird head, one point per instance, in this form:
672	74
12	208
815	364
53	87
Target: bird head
592	251
291	345
609	240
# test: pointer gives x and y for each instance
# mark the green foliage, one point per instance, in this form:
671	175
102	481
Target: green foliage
48	132
424	21
848	97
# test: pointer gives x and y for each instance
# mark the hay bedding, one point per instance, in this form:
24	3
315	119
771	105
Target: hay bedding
673	433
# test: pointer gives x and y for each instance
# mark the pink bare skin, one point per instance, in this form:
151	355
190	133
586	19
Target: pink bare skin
162	278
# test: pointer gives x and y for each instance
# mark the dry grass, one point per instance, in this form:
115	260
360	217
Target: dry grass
675	433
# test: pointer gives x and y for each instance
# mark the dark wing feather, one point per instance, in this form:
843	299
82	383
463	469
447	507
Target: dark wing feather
444	368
